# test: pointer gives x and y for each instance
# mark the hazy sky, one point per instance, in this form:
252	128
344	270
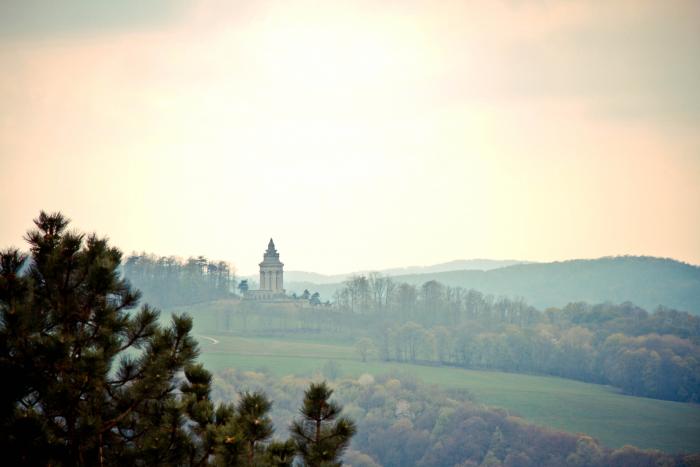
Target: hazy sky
359	135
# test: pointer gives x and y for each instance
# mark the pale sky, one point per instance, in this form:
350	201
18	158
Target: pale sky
359	135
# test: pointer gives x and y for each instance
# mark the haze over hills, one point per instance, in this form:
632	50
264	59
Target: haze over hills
646	281
456	265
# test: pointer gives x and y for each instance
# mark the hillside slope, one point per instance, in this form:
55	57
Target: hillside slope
645	281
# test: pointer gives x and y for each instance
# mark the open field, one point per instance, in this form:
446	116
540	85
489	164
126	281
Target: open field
600	411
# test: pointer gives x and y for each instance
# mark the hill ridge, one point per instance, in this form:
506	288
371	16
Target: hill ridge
647	281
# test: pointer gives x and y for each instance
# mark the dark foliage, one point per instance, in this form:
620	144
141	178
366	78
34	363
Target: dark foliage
321	435
91	381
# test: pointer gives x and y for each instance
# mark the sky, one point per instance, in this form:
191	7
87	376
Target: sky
359	135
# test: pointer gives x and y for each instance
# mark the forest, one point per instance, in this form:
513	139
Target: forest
170	281
402	421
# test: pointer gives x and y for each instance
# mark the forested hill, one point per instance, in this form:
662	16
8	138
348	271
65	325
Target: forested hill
645	281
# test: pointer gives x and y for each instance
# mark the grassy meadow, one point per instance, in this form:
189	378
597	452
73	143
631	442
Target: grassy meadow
600	411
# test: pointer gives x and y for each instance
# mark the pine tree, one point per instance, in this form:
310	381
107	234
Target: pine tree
254	423
280	453
321	436
89	380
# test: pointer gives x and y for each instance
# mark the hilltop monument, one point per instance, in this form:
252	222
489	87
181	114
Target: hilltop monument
271	277
271	270
271	291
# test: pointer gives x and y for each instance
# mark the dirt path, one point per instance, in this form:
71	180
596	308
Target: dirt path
213	341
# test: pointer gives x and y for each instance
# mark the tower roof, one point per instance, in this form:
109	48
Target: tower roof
271	257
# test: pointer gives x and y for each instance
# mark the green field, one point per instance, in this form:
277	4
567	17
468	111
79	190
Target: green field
600	411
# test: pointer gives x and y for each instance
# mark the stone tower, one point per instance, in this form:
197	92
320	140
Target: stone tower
271	274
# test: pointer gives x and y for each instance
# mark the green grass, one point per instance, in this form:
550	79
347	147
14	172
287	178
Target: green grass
600	411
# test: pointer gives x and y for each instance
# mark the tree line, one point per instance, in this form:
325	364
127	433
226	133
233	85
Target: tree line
170	281
647	354
90	380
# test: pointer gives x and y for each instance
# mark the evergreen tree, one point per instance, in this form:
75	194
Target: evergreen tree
321	435
88	381
254	423
315	299
280	453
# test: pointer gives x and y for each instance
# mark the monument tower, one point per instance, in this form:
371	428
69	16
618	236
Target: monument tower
271	273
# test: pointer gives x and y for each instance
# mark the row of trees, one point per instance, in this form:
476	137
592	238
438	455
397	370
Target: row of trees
170	281
433	303
650	354
659	366
428	304
88	380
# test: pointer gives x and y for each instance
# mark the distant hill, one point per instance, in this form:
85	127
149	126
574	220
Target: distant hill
645	281
457	265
